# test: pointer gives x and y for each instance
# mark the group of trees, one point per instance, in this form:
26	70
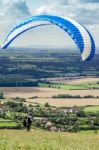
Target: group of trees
73	96
71	119
16	106
18	83
1	95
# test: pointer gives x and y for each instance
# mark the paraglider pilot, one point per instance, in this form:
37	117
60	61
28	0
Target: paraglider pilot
28	122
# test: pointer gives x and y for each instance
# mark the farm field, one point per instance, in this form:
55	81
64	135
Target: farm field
65	102
81	86
93	109
27	92
79	80
40	140
45	94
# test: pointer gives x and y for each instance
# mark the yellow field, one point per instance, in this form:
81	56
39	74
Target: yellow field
73	81
45	95
65	102
27	92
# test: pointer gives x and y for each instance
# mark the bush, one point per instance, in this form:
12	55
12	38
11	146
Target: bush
1	96
88	96
33	97
66	96
47	105
19	126
18	99
17	107
30	105
74	128
96	121
81	113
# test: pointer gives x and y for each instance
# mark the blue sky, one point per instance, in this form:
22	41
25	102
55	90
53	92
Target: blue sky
13	11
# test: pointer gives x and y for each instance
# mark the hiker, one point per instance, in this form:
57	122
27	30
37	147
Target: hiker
28	122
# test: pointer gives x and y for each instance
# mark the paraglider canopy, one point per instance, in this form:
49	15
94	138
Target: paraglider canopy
80	35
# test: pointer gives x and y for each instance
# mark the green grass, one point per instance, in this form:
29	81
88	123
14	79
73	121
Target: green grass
93	109
85	86
64	87
40	140
94	85
7	124
5	120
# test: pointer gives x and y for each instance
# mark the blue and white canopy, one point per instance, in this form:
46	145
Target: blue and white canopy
80	35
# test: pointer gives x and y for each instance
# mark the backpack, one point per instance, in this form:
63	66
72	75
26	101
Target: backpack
24	123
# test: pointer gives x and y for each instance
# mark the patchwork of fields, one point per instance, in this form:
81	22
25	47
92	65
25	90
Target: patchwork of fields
22	75
39	139
44	93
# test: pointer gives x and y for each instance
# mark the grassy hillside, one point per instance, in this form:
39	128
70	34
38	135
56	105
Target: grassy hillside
40	140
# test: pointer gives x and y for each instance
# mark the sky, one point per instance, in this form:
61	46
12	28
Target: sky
13	11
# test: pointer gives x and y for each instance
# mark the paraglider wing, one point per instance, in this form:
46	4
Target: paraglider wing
78	33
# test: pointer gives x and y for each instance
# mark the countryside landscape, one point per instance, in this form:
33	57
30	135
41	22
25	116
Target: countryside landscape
61	92
49	75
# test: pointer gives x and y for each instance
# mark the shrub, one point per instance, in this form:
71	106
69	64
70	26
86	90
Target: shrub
1	96
16	107
47	105
66	96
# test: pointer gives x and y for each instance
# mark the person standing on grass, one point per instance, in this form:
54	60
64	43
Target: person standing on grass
28	122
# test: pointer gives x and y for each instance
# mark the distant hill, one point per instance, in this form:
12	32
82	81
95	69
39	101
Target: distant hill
26	64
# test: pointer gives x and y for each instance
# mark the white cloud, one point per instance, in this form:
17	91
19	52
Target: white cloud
17	10
68	2
76	9
54	9
11	12
65	2
13	9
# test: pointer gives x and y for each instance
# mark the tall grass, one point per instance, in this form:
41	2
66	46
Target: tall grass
41	140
